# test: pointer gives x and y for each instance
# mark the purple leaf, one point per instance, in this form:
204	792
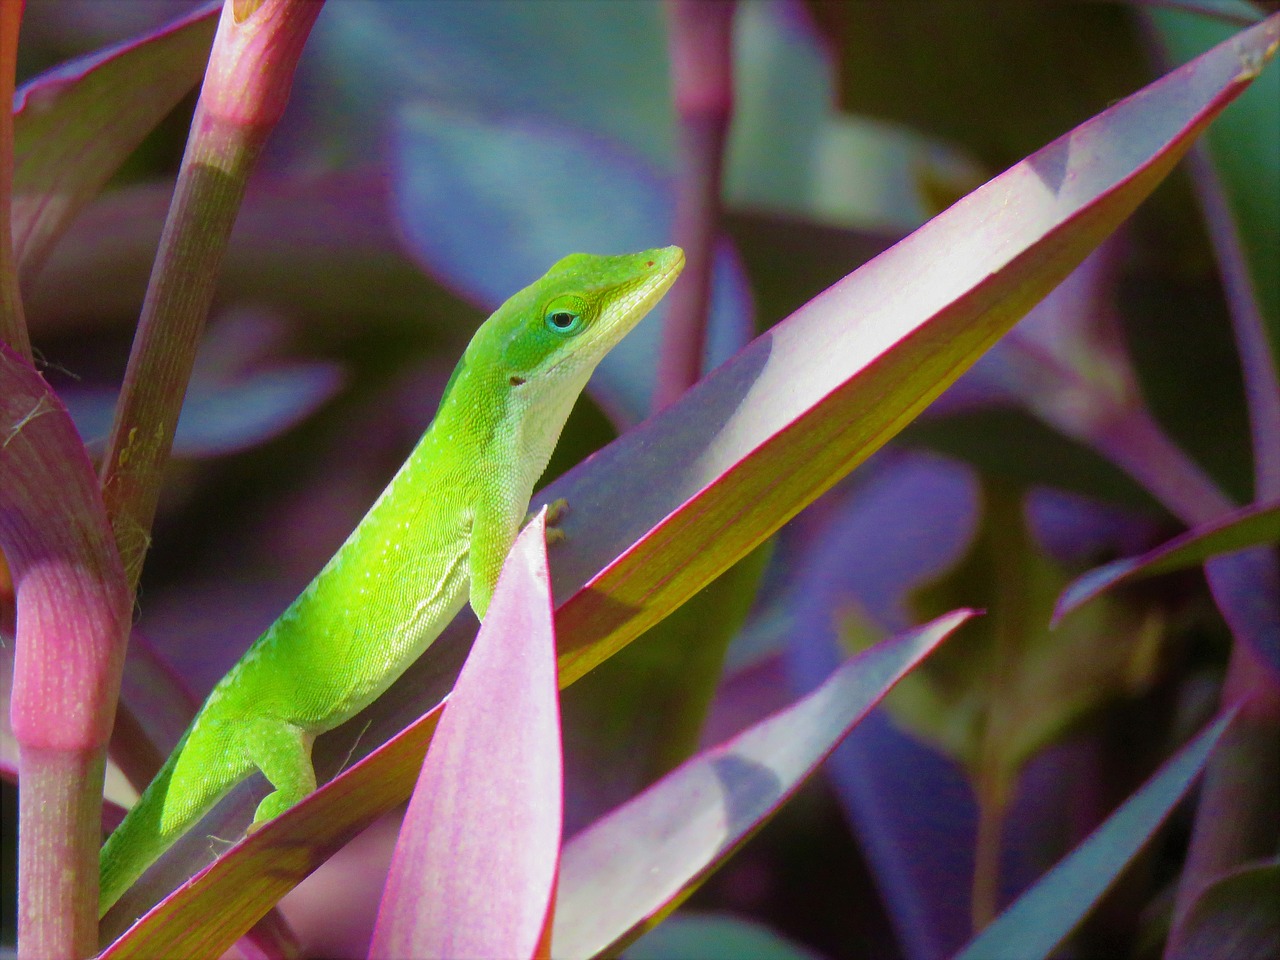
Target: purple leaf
74	125
1247	527
678	500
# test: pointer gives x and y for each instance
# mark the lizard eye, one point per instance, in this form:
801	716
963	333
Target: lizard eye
564	315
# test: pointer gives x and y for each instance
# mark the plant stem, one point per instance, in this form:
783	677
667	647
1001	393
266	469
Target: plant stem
1257	361
246	87
60	862
1135	443
72	620
701	41
203	210
992	798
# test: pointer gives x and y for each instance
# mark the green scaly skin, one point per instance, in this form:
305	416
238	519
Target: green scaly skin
437	535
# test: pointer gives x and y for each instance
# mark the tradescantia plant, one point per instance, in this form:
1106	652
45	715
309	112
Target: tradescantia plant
729	603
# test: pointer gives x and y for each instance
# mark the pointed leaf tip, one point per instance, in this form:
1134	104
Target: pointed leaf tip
1254	525
474	870
647	855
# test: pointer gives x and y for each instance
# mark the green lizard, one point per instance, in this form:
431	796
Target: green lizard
438	533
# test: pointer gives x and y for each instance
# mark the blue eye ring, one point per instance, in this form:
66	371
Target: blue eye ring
565	315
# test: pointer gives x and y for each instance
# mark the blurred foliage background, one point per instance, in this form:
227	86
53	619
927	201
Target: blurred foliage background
436	156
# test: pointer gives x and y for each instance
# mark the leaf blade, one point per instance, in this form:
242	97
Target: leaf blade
1249	526
70	133
646	856
1044	915
474	868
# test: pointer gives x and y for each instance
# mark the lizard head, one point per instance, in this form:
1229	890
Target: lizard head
526	365
552	334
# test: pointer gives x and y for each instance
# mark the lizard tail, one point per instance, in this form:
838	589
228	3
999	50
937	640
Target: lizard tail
155	822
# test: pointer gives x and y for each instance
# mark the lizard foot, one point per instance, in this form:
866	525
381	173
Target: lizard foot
557	510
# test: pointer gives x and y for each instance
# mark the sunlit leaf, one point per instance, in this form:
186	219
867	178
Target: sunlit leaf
660	513
676	501
474	870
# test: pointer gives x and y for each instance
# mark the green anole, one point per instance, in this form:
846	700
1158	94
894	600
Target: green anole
436	536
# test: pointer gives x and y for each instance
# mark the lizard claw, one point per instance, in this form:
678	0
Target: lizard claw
557	510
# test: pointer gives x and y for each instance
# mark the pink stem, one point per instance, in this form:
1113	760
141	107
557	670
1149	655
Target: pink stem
246	87
701	43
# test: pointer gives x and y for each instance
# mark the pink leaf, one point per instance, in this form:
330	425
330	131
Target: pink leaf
475	867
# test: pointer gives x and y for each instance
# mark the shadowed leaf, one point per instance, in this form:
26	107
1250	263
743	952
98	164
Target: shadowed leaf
1044	916
74	125
1248	527
711	936
638	862
1237	918
661	512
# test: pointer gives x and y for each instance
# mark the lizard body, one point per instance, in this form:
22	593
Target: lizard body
436	537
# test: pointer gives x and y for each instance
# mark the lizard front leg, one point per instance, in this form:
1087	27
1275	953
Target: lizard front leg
282	751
